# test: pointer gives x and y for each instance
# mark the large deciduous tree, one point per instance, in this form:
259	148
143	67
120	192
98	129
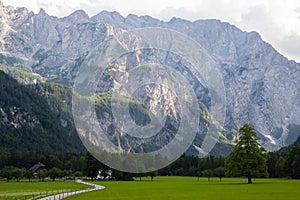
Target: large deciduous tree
220	172
54	173
248	158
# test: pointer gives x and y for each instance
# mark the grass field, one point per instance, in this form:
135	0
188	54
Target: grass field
184	188
33	190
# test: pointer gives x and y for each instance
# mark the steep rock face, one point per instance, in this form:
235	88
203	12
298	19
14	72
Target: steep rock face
18	118
262	86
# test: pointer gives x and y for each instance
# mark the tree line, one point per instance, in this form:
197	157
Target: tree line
79	165
285	164
26	159
248	159
16	173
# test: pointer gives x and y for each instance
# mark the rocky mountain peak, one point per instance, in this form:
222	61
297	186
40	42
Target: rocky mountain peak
106	17
42	12
79	16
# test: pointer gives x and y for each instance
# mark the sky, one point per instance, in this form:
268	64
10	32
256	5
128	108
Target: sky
277	21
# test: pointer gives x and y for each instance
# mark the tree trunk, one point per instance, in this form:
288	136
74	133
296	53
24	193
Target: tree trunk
249	180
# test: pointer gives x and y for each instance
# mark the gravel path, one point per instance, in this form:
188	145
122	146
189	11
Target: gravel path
64	195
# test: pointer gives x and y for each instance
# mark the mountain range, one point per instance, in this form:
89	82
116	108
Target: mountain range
262	87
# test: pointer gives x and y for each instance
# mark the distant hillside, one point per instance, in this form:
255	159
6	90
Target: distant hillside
285	150
40	114
22	74
28	122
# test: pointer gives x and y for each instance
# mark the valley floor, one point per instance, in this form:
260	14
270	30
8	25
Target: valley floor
192	188
161	188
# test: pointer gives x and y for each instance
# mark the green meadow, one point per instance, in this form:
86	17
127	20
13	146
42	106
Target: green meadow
34	189
162	188
184	188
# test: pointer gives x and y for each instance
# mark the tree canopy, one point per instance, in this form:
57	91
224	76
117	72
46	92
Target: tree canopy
248	158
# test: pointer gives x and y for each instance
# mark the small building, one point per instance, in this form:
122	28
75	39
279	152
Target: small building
37	167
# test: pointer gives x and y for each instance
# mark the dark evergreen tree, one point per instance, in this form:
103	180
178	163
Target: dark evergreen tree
280	170
292	162
92	166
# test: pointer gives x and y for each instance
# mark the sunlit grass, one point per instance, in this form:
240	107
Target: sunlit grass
185	188
35	189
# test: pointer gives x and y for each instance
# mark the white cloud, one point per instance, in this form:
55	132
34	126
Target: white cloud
290	45
258	18
276	25
277	21
298	12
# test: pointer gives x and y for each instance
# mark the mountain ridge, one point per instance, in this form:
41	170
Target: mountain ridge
262	86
